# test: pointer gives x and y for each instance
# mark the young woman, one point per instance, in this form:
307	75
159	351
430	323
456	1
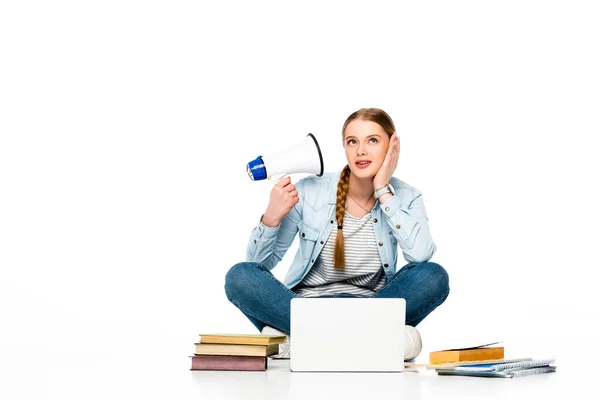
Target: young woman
350	224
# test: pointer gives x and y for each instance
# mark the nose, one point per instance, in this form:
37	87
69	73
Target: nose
361	149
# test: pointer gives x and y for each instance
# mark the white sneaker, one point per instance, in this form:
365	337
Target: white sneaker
412	343
284	348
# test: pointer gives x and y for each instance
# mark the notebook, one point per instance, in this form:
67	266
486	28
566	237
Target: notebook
500	374
502	369
505	366
346	334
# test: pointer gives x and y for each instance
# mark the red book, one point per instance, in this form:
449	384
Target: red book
228	363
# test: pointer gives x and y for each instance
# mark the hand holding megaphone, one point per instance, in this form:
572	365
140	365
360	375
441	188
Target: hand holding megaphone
283	198
304	157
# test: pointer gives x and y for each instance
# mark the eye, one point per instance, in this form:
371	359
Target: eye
350	141
374	139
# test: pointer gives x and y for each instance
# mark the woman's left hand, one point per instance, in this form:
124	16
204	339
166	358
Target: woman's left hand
390	163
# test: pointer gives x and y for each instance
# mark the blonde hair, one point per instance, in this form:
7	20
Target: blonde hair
381	118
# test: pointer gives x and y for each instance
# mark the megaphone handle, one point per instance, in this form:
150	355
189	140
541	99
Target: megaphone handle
277	179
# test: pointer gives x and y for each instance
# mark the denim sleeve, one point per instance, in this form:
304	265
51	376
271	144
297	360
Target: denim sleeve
409	224
267	245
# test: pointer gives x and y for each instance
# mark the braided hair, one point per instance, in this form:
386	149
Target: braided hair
340	210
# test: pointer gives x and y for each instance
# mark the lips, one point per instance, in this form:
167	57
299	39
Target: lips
362	165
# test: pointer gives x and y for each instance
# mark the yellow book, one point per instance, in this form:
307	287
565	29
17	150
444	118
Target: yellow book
474	354
232	338
236	349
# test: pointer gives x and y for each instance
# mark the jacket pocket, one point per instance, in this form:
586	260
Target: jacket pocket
308	239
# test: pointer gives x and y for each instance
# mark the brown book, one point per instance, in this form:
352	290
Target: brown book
236	349
471	354
232	338
228	363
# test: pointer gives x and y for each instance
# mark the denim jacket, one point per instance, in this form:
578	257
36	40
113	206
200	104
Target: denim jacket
400	220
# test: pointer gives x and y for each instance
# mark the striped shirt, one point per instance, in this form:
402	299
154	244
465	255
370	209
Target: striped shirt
363	275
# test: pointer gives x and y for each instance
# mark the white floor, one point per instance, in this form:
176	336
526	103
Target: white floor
157	367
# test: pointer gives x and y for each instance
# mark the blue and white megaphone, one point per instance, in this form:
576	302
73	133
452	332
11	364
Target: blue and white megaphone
304	157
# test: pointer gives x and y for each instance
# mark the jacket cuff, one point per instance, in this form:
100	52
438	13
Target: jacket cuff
266	231
392	205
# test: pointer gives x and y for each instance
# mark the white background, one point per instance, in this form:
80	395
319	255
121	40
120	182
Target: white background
126	127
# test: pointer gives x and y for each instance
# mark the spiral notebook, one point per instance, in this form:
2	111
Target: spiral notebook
502	369
499	374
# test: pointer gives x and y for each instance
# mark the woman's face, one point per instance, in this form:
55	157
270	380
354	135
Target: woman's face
365	141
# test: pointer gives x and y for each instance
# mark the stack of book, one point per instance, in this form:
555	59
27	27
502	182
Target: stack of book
485	360
234	352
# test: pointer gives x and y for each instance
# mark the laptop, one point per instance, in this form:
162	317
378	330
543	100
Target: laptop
347	334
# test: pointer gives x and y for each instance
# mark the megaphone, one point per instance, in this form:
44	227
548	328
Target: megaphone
305	157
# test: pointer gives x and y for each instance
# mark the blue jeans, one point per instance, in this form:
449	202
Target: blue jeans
265	300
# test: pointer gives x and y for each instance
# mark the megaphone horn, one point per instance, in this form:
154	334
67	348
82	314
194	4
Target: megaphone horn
305	157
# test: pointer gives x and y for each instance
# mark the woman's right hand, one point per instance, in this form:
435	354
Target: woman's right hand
283	198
